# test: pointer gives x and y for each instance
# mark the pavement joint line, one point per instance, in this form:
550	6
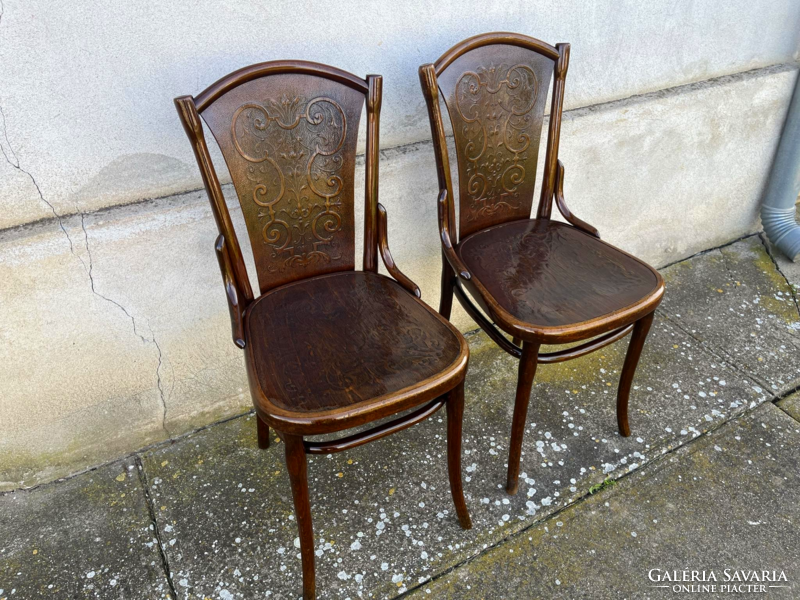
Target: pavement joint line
644	471
783	397
647	470
791	416
720	354
792	291
151	509
786	394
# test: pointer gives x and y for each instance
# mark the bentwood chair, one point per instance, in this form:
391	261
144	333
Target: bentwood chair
540	281
326	347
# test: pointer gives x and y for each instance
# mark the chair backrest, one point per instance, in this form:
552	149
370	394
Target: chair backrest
288	132
495	89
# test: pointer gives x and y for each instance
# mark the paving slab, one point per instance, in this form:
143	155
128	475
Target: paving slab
87	537
383	516
791	405
736	303
728	501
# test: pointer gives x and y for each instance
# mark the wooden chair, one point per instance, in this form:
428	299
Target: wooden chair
326	347
539	280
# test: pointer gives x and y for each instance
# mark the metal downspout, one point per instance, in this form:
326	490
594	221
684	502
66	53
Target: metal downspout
778	210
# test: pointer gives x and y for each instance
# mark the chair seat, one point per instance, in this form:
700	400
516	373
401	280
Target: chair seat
347	339
551	277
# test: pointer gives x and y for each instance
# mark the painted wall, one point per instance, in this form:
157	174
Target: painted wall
114	331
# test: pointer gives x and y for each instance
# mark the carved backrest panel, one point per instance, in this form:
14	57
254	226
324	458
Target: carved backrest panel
495	96
289	142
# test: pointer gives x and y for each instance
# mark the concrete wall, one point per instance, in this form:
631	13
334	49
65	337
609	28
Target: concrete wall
114	331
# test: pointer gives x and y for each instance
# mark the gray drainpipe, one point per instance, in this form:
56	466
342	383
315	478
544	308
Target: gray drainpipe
778	210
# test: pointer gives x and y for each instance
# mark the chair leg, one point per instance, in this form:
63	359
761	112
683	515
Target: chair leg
455	415
263	433
527	370
296	464
448	280
640	331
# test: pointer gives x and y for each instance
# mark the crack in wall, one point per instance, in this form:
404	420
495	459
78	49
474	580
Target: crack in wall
15	164
13	160
146	340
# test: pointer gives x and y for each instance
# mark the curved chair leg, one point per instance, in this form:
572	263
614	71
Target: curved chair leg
455	415
640	330
263	433
448	280
527	369
296	464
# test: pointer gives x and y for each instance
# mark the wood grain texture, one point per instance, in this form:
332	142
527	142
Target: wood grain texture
496	96
335	341
549	274
570	217
388	259
455	415
297	466
290	145
262	430
527	370
635	346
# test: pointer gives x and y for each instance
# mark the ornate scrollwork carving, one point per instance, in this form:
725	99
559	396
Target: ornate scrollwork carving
293	147
494	105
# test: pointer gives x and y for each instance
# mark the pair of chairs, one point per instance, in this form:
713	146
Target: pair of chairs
328	348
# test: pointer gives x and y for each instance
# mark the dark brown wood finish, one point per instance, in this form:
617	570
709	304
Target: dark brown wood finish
291	156
640	331
552	276
326	347
263	433
455	414
496	96
537	280
297	465
527	371
361	337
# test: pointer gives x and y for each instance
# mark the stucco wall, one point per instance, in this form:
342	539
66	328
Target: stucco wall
87	87
114	331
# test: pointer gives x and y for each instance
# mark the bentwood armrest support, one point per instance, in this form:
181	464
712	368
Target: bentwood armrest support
564	210
386	255
232	291
447	242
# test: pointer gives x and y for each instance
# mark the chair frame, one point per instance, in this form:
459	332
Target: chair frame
457	279
426	398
